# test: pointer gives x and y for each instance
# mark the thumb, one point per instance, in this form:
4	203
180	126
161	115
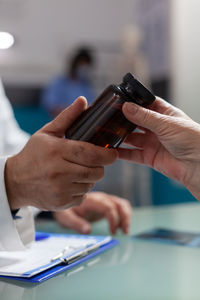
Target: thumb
144	117
59	125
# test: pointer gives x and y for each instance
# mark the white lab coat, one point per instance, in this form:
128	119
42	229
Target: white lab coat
14	234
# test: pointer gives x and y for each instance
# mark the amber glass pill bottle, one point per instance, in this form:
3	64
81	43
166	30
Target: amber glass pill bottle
103	123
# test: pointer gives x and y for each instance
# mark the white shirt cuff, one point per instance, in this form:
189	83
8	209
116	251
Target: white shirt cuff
14	235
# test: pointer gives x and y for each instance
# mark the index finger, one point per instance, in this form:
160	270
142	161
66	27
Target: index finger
163	107
125	213
87	154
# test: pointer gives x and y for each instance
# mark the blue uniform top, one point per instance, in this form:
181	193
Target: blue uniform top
62	91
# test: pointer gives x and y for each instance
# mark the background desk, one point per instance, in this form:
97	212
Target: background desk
135	269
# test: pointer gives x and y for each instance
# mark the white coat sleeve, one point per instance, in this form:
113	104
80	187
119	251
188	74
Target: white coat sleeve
14	234
12	137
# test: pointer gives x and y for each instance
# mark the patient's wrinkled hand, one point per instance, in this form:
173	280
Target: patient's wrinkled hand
169	142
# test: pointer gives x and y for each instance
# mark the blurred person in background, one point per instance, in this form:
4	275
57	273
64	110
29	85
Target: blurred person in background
75	81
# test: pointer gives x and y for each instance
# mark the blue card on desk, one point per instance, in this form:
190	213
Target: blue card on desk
50	255
173	237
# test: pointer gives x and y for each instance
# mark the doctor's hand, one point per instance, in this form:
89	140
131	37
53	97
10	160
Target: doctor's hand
54	173
95	206
169	142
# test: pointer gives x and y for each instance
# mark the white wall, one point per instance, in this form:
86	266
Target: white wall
185	51
46	30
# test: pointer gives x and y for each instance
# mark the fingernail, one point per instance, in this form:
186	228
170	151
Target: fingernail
85	229
131	107
74	101
77	99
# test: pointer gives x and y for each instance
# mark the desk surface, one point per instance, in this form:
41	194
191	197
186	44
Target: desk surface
135	269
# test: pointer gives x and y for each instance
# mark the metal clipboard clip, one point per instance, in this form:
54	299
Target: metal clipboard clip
80	254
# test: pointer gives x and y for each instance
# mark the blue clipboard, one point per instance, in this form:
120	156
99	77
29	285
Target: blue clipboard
49	273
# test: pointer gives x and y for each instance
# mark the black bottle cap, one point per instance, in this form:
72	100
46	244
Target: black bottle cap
137	90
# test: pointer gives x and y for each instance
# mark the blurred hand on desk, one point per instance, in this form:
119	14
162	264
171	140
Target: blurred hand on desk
95	206
169	142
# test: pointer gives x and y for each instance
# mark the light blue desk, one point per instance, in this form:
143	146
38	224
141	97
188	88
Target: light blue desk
135	269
